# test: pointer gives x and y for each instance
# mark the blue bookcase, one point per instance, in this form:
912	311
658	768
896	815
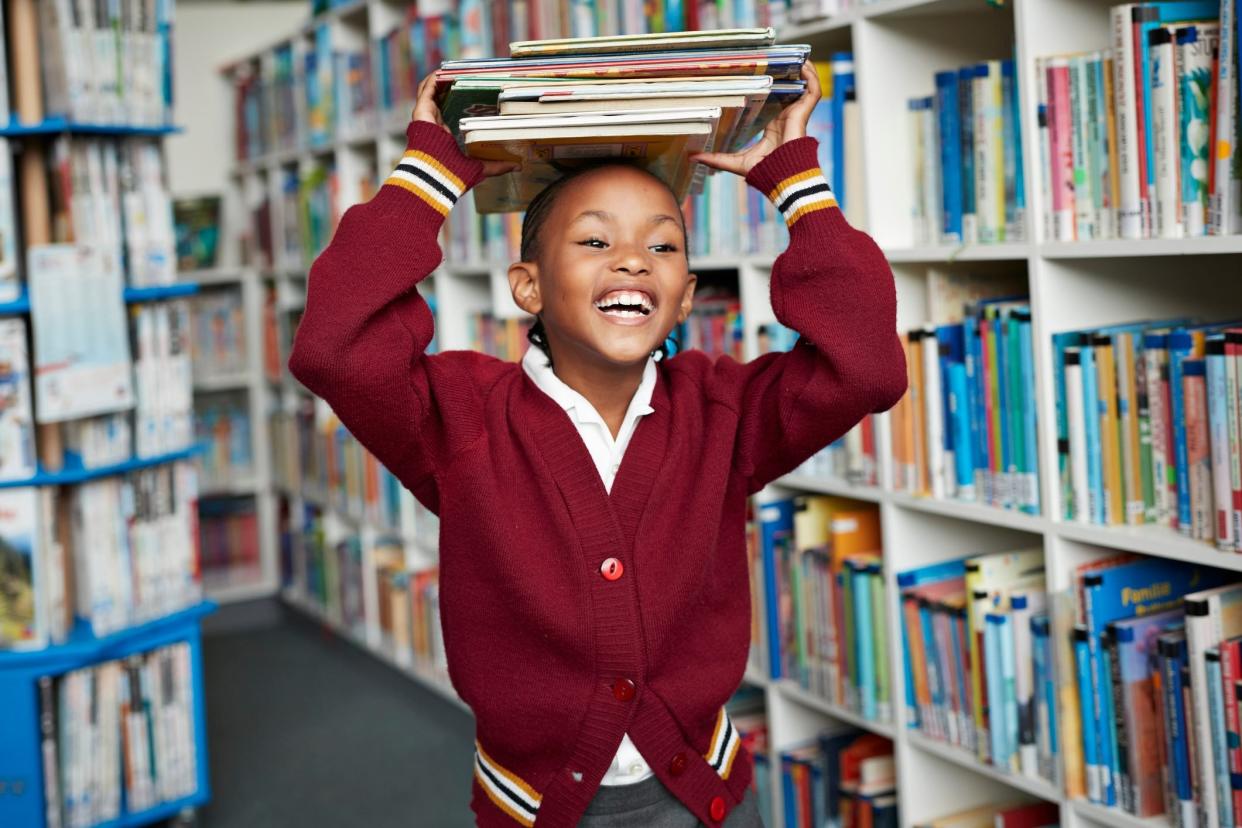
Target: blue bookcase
21	761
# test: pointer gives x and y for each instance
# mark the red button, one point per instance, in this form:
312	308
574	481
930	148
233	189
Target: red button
623	689
611	569
678	765
717	808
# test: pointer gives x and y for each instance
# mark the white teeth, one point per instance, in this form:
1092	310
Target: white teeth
626	297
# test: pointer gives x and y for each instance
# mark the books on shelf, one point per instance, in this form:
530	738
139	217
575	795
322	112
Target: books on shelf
1140	140
196	228
1155	655
150	566
817	561
966	146
100	63
1013	815
842	779
119	738
164	408
966	428
218	346
222	422
229	539
978	665
502	338
1147	427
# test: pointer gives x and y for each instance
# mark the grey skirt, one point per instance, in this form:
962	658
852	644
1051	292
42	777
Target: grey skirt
651	805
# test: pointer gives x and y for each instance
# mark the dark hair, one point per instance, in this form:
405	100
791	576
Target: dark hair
537	212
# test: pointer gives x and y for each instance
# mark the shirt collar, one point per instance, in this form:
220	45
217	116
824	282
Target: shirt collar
535	364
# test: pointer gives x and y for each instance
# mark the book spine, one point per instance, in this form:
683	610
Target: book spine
1121	734
948	121
1218	402
1080	147
1061	148
1127	414
1203	631
1198	449
1091	420
933	406
1223	195
1219	747
1025	685
1164	128
1196	53
1233	414
1181	346
1082	663
970	219
1078	450
1106	374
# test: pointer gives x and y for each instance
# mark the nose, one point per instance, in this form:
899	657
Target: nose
631	259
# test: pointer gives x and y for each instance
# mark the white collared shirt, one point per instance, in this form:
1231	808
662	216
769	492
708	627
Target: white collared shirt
628	766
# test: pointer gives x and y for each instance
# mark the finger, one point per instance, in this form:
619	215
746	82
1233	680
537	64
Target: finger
811	76
727	161
425	108
492	168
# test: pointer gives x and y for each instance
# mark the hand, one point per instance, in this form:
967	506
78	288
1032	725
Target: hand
425	109
788	126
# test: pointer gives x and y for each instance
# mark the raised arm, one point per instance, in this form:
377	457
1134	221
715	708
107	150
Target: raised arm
362	339
834	287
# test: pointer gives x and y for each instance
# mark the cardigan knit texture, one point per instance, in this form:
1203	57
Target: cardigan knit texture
573	615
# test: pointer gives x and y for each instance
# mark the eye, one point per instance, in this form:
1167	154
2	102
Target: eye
665	247
598	244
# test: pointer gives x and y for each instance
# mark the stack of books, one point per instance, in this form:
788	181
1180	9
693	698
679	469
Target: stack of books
648	99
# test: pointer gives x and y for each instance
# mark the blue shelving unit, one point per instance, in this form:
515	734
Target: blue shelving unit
132	295
156	293
55	125
21	760
74	472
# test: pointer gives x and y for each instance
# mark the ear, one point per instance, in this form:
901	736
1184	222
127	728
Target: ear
687	298
524	285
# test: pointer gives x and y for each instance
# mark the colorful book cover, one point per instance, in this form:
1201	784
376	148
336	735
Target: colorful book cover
1196	55
1138	662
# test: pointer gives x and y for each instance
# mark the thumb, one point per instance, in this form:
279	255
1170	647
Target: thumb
491	168
727	161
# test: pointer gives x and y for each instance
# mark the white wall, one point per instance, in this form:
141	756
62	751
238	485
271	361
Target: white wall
207	36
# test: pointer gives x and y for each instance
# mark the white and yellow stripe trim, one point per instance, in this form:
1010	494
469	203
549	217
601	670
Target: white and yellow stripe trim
803	193
428	179
724	745
505	788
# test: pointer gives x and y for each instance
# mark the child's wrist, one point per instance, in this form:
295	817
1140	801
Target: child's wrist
438	145
790	176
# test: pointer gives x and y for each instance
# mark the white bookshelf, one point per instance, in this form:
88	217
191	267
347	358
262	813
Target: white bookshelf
897	46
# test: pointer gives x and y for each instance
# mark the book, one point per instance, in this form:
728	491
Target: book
547	152
656	41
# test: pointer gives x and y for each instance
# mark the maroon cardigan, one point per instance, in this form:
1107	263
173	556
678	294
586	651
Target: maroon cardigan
572	616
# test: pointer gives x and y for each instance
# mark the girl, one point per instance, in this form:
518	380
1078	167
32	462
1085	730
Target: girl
594	590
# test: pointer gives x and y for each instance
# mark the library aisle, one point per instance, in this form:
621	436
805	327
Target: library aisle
286	751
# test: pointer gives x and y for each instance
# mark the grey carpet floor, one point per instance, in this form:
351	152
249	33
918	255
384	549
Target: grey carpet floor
306	730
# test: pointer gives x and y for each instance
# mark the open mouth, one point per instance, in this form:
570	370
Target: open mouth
625	304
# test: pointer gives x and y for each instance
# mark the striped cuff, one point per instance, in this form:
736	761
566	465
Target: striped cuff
433	168
790	176
724	745
506	789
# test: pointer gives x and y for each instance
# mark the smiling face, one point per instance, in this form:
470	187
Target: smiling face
609	277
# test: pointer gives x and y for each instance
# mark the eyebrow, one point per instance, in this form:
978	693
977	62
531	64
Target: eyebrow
604	215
